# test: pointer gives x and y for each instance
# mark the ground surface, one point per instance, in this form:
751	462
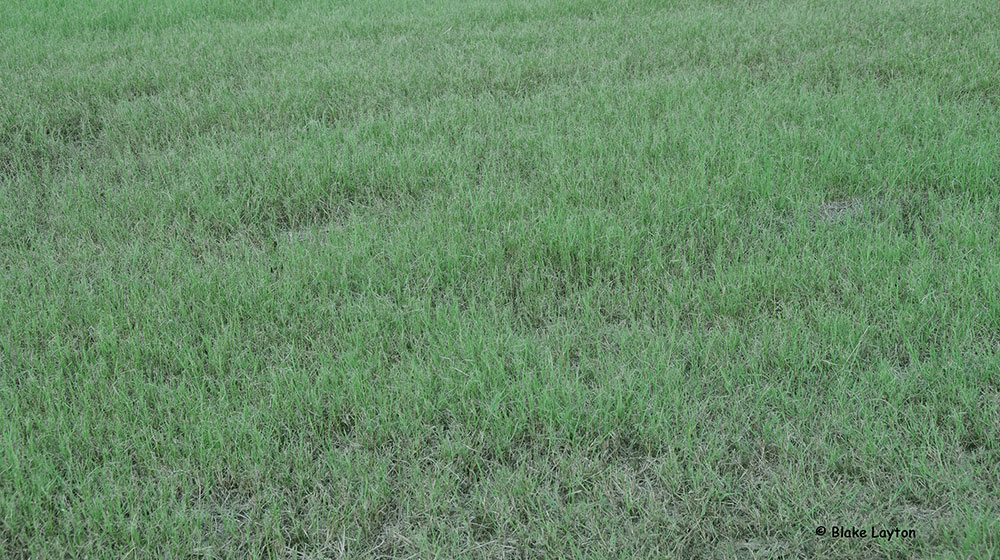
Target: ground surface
499	279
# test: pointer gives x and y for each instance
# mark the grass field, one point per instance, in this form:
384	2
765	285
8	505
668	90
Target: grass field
468	279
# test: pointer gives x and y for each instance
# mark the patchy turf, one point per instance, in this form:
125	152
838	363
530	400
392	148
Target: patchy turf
544	278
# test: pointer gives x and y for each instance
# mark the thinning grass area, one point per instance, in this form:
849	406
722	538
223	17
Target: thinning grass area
543	278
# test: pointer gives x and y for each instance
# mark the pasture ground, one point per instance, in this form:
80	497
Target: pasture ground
469	279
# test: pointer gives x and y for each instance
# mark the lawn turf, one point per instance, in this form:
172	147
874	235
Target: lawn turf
467	279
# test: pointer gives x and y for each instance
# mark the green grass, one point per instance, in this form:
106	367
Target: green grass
467	279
